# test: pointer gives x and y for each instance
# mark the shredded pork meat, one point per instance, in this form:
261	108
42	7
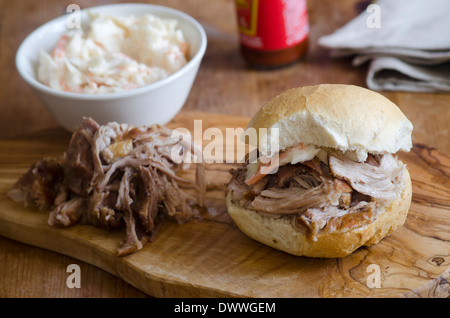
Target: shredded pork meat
378	180
114	176
332	196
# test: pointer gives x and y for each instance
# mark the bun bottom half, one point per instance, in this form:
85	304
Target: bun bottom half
281	234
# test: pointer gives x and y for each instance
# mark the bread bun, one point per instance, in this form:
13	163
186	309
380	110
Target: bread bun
281	234
344	117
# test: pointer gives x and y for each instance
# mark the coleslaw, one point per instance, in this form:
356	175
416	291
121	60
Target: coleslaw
116	53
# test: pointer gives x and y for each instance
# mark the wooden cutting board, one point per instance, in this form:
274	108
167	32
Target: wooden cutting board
212	258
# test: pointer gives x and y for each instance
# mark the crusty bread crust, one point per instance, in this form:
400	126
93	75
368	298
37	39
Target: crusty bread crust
343	117
281	234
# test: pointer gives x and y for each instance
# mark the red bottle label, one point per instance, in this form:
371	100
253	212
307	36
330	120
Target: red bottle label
272	24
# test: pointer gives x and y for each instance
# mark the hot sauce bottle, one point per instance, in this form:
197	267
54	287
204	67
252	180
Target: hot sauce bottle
272	33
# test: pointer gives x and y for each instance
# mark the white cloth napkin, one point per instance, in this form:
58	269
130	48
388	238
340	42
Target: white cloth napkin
408	51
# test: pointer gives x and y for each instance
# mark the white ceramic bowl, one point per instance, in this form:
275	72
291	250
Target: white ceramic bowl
158	102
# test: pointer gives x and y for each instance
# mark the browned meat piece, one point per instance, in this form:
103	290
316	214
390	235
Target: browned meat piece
135	237
80	164
99	210
40	185
292	190
288	201
68	212
148	194
332	218
369	179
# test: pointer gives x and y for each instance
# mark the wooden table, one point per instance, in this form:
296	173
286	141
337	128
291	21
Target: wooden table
224	85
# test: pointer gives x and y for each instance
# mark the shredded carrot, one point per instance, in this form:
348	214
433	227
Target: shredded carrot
60	49
258	175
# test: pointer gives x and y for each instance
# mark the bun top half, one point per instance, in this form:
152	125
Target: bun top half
343	117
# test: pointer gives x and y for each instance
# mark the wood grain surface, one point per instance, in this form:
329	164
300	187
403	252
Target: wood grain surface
213	258
224	85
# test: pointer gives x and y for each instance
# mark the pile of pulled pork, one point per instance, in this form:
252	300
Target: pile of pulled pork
113	176
335	195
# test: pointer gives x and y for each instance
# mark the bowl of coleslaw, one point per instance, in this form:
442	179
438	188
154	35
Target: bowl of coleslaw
128	63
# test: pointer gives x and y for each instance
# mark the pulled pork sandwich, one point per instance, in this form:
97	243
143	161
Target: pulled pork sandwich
338	183
114	176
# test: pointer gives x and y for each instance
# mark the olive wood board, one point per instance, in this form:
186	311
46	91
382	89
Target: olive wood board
213	258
